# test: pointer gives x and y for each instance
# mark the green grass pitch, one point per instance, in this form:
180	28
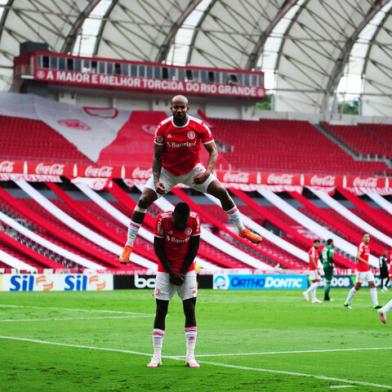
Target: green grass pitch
247	341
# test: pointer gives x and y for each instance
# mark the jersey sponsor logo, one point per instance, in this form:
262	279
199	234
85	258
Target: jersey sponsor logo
176	240
179	145
191	135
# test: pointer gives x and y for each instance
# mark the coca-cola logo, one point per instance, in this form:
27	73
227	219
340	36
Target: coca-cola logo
323	181
141	174
56	169
240	177
41	74
281	179
370	182
75	124
104	171
6	167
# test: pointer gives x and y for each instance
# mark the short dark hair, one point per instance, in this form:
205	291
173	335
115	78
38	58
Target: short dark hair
315	241
182	209
329	242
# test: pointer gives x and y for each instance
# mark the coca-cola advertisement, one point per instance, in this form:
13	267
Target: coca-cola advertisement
10	166
281	179
237	177
49	168
137	173
322	180
365	182
104	171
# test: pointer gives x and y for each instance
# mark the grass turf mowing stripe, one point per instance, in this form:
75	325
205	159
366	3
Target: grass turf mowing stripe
219	364
74	309
74	318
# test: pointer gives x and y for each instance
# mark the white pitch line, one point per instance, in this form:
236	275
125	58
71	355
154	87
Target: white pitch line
73	309
298	374
331	350
74	318
220	364
340	386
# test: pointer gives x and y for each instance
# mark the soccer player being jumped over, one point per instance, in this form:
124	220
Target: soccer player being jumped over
176	160
176	242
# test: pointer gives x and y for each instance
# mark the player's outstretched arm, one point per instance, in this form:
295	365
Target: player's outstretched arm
194	243
213	156
157	167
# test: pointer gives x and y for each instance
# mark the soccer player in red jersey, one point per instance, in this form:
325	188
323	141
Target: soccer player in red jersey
314	275
364	273
176	160
177	237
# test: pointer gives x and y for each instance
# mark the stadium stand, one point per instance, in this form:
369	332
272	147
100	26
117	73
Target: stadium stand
285	146
366	139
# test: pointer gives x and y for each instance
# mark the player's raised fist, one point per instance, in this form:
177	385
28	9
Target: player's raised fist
160	188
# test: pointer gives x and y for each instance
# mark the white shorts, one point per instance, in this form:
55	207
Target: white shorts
164	290
170	181
365	276
314	275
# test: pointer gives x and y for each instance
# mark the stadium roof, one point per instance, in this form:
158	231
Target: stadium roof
311	50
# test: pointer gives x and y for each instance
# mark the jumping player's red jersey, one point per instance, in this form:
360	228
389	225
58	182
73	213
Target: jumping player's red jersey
182	144
176	242
363	253
313	253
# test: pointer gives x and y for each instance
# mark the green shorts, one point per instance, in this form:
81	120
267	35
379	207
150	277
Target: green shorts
328	271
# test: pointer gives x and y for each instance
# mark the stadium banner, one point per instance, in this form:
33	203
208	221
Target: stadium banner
90	79
319	180
49	168
339	282
10	167
104	171
136	281
365	182
260	282
286	179
56	282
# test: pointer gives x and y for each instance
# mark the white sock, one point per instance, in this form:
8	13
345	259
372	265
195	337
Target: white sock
190	337
313	291
157	341
373	295
387	307
350	296
235	218
133	229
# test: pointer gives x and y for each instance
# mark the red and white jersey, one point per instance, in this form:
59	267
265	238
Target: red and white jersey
176	242
363	253
182	144
313	253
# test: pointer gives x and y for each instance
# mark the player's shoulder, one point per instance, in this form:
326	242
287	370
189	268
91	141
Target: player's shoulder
194	215
197	122
165	215
165	122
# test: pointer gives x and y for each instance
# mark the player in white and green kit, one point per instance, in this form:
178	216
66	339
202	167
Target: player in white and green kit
326	258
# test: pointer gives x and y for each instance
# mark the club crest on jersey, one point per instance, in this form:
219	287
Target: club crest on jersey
188	231
159	139
191	135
